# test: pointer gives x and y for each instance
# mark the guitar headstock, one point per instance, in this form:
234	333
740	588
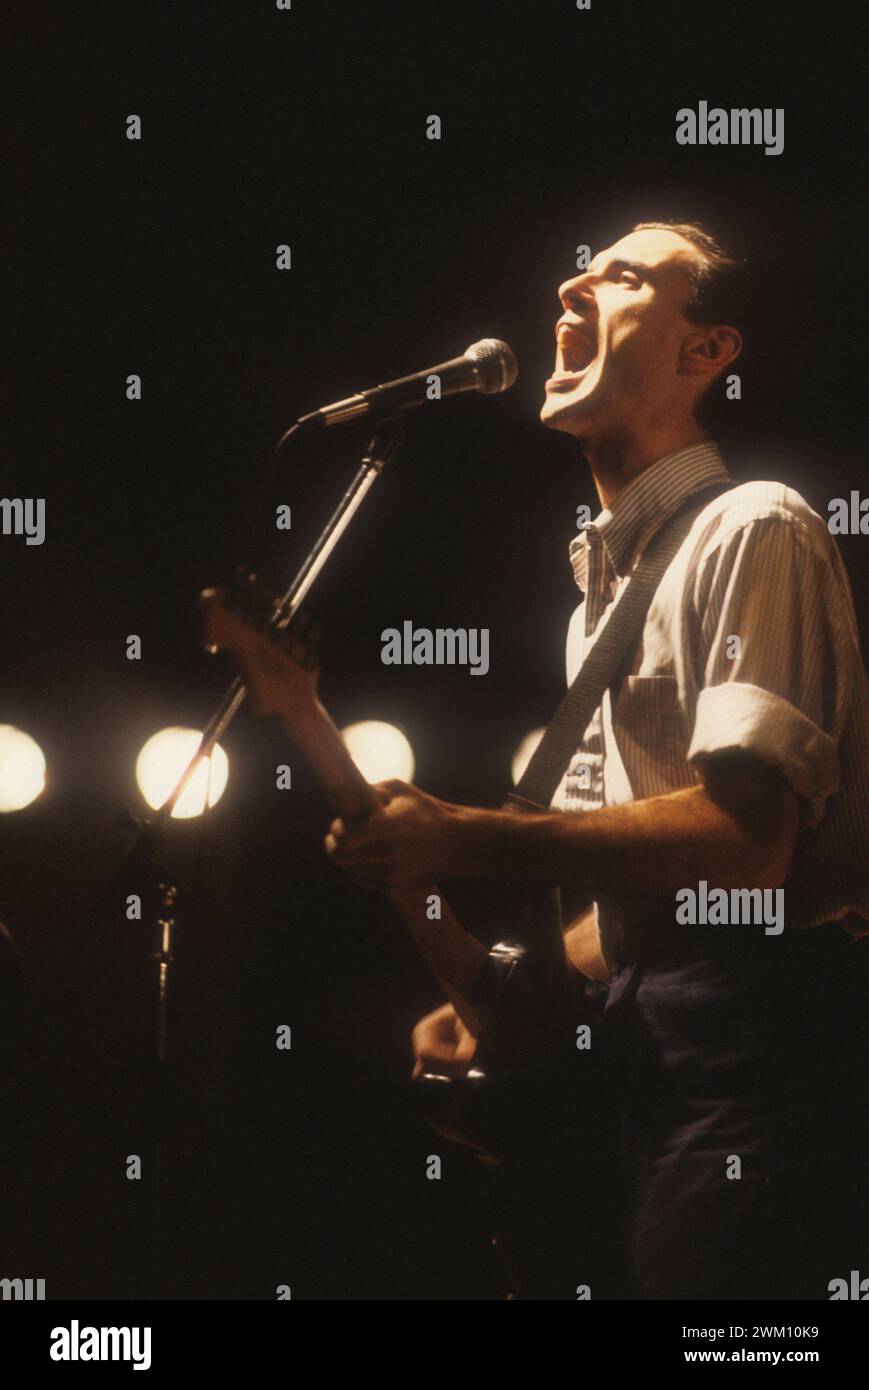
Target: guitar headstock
280	663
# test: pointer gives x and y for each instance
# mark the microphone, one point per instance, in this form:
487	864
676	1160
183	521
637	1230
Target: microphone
488	366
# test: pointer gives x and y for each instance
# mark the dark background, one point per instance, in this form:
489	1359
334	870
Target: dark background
158	257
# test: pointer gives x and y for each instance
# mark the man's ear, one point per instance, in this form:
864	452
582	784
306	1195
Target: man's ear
709	351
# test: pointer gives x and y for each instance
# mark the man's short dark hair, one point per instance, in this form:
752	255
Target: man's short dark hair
719	280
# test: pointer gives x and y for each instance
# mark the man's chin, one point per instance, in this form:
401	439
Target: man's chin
577	407
571	416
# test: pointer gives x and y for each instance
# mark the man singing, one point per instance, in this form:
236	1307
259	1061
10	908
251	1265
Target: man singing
735	755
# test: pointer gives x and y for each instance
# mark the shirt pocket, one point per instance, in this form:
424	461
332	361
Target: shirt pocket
652	735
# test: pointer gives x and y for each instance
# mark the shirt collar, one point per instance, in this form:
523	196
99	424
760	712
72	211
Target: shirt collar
645	504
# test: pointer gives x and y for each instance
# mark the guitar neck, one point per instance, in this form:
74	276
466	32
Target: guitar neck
454	956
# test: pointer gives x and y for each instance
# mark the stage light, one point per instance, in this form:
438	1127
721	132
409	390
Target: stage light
22	768
379	750
163	759
524	753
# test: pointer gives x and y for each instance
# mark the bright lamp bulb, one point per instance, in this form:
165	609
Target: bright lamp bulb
22	768
379	750
525	752
163	759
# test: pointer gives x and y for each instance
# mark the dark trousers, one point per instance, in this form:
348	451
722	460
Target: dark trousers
739	1065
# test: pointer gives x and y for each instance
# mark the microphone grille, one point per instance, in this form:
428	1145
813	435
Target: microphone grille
497	365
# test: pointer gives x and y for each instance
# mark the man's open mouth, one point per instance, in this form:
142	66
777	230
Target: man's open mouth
575	351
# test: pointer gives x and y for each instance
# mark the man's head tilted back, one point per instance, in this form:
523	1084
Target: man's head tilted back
646	329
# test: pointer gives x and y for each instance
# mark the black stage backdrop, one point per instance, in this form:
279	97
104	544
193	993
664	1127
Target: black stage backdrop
307	127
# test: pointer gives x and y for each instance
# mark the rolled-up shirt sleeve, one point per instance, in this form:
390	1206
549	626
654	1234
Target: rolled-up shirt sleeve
773	652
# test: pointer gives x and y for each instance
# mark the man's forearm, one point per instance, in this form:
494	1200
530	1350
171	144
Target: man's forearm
652	847
737	830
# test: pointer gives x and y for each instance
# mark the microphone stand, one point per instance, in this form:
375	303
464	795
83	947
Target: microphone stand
160	893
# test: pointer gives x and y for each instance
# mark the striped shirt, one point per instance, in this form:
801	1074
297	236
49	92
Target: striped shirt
750	643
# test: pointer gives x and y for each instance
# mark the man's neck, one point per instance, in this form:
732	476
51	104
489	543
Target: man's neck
618	456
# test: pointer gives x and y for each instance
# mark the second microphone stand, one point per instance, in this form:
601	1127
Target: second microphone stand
160	894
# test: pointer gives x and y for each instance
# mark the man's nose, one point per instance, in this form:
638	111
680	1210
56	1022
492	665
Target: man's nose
578	292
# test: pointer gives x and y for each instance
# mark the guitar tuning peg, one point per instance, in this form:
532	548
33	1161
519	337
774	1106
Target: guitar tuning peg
251	598
241	577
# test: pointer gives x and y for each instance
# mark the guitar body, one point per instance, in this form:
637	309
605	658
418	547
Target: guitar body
533	1107
534	1110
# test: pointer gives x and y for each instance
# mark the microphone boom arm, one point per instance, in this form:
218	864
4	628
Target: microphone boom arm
382	449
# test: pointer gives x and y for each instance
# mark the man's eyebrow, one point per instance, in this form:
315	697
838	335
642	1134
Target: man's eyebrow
637	267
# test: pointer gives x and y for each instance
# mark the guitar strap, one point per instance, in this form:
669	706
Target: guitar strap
537	946
605	662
